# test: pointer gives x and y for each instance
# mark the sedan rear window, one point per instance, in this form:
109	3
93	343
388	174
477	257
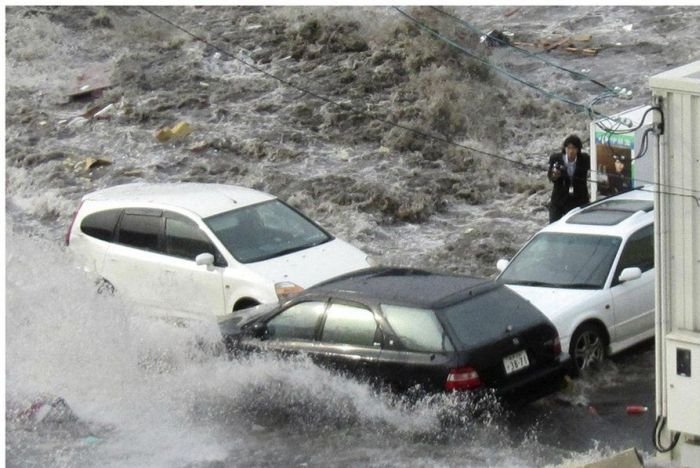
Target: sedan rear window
266	230
418	329
478	319
562	260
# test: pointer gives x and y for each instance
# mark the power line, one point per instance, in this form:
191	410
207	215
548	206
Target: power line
589	109
611	92
363	113
498	69
329	100
526	52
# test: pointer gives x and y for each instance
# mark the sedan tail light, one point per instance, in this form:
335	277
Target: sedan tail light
462	378
555	345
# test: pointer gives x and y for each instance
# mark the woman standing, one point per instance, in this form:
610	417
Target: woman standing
568	172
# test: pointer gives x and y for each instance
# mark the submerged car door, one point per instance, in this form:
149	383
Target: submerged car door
634	300
194	289
140	267
133	263
292	331
350	341
417	349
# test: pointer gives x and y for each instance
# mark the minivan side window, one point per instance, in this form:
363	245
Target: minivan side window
140	230
638	252
184	239
101	225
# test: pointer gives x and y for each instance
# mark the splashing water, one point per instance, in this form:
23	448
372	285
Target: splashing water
143	392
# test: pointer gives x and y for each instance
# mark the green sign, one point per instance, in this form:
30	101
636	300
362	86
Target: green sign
623	140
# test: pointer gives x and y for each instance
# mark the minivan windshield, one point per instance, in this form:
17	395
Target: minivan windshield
563	260
266	230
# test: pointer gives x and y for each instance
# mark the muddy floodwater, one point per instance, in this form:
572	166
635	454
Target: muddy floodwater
422	151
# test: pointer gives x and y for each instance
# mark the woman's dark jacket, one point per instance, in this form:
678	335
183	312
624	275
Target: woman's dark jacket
560	187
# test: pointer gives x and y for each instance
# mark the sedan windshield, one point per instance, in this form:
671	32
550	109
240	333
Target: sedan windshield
562	260
266	230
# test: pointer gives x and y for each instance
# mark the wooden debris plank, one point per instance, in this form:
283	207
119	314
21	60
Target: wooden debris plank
94	78
556	44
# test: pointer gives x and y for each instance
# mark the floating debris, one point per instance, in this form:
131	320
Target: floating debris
91	163
178	131
495	38
636	409
199	147
91	83
48	409
568	44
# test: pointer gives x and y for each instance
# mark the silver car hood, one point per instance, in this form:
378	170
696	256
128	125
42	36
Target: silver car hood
560	304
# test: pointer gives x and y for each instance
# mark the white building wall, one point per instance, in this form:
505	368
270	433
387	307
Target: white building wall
679	193
677	255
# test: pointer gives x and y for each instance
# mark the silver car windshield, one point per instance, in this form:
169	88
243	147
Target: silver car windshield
563	260
266	230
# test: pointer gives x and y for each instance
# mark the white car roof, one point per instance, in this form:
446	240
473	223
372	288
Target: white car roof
619	215
202	199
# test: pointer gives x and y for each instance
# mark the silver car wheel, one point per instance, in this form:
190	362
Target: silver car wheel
588	347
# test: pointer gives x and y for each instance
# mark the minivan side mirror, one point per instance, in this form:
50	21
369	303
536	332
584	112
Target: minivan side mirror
629	274
502	264
204	259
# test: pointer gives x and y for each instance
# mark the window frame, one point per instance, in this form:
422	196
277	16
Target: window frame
116	212
162	238
404	344
319	320
145	212
624	249
219	259
378	340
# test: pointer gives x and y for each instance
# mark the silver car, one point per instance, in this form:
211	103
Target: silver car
592	274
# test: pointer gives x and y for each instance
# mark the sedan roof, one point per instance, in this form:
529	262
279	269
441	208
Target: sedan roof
405	286
202	199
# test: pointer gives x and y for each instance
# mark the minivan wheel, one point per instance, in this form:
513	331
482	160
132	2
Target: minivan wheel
587	347
245	303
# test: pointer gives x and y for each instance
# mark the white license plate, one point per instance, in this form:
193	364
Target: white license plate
515	362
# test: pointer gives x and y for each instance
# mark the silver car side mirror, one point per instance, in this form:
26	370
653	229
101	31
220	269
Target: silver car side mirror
629	274
204	259
502	264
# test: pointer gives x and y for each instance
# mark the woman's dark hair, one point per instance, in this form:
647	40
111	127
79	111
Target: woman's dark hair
572	140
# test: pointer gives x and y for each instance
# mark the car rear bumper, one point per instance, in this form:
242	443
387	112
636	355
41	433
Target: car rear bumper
537	384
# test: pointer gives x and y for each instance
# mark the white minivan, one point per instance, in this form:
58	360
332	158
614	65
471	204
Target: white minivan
592	274
200	250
